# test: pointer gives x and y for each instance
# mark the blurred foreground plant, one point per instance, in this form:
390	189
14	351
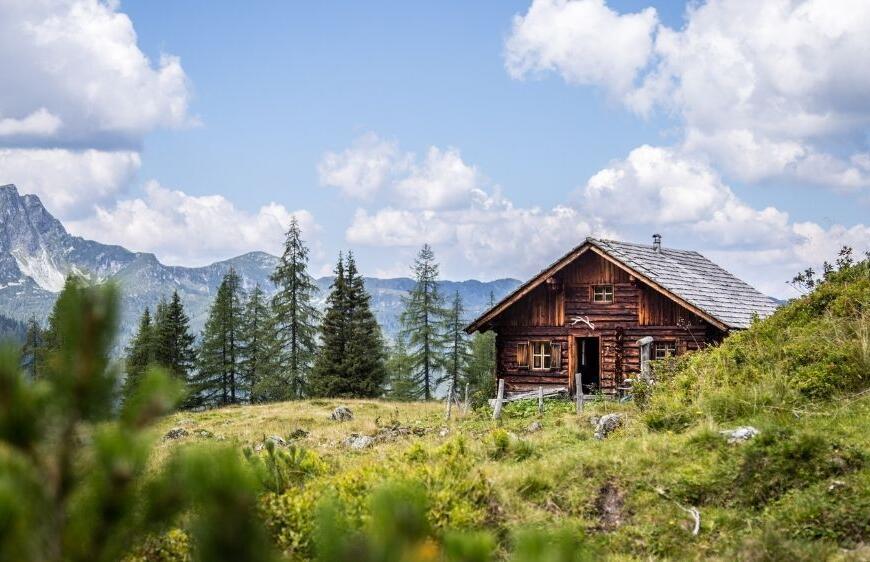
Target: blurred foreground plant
73	480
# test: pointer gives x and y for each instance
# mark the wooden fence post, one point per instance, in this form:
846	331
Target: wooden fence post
449	401
496	412
540	399
578	384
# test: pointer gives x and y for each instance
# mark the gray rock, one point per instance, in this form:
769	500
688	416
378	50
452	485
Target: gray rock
341	413
444	432
534	426
204	433
359	441
175	433
298	433
607	425
740	434
277	440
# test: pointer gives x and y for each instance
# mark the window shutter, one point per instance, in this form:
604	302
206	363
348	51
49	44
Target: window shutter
523	354
556	352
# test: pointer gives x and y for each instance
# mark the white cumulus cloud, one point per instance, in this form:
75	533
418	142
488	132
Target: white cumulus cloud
183	229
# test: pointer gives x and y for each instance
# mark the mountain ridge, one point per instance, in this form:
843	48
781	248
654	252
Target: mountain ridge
37	253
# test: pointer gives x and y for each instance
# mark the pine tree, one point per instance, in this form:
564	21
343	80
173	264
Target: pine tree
480	370
295	315
400	366
140	354
422	322
365	357
350	359
257	348
31	351
217	378
457	354
327	376
173	348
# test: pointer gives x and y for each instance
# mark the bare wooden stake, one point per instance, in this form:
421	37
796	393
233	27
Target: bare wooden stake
496	412
449	401
578	384
540	399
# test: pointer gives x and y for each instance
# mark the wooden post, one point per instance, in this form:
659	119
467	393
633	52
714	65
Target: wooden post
496	412
449	401
645	345
540	399
578	384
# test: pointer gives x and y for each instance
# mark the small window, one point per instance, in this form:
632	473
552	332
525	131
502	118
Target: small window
664	349
542	356
602	293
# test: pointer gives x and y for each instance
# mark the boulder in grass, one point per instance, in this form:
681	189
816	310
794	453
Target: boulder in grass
359	441
277	440
740	434
607	425
175	433
534	426
342	413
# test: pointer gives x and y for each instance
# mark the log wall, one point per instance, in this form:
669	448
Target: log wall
546	313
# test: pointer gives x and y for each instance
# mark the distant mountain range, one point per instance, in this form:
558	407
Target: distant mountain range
37	253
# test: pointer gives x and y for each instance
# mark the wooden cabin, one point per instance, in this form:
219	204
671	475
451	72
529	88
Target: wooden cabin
586	313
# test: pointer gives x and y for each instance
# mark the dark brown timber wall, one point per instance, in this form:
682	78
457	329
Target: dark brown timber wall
548	314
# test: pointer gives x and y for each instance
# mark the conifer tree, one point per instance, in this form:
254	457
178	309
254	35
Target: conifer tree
400	368
365	357
422	322
295	315
327	376
350	359
173	347
457	354
480	370
140	354
257	346
31	350
217	379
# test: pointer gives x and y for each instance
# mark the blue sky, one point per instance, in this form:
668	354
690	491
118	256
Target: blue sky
502	131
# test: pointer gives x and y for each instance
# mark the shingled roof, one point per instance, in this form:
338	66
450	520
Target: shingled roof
684	275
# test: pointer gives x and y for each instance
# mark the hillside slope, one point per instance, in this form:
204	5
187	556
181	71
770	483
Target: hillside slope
798	490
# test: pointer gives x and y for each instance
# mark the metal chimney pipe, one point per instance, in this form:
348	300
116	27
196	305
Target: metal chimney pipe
657	242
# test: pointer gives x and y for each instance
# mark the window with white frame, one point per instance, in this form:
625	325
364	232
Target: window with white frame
542	356
602	293
664	349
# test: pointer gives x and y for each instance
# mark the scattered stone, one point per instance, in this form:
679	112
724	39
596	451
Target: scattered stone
740	434
277	440
359	441
175	433
204	433
298	433
444	432
534	426
341	413
836	484
593	420
607	425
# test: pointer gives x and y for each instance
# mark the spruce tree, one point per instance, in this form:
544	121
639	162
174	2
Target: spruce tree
422	321
365	357
327	377
400	368
31	351
257	348
217	379
295	315
350	359
173	348
457	354
140	354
